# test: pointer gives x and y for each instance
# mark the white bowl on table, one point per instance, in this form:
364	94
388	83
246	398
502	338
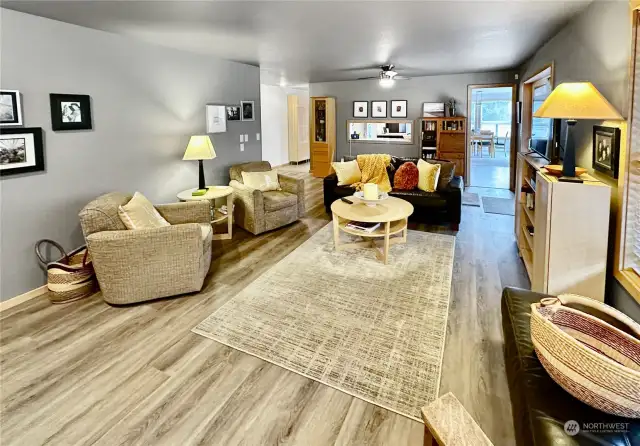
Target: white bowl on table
381	196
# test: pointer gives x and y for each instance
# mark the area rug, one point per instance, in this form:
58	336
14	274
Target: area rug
470	199
374	331
494	205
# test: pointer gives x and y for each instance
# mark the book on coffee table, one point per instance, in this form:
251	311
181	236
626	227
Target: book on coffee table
363	226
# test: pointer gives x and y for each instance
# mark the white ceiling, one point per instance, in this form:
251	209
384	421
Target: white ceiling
314	41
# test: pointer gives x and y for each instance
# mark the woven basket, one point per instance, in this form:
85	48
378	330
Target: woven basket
591	350
71	277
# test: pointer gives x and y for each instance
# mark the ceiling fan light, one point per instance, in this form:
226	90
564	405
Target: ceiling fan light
386	82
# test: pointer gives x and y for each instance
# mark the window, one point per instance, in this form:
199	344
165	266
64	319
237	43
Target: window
541	128
627	268
496	111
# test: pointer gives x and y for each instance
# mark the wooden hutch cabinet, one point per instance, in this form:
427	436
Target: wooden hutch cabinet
322	129
445	138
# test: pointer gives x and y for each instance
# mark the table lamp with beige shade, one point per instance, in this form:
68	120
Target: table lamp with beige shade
573	101
200	148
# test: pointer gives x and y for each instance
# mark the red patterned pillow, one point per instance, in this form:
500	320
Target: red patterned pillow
406	177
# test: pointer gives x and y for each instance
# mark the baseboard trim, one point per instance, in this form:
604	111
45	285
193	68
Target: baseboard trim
297	163
23	298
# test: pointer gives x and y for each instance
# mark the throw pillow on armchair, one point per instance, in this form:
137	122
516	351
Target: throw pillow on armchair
406	177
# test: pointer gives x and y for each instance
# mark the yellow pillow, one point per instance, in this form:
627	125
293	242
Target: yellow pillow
348	172
428	175
139	213
264	181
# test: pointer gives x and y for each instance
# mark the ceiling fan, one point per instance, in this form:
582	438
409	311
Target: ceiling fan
387	76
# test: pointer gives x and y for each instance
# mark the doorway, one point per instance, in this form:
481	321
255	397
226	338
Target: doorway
491	135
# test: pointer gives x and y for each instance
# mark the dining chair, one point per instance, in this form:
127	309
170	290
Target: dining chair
501	144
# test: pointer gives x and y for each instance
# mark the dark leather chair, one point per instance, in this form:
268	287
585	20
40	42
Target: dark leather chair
442	206
541	407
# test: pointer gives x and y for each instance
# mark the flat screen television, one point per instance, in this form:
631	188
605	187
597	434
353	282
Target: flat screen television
545	138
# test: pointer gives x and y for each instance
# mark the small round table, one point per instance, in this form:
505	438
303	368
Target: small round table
212	194
392	213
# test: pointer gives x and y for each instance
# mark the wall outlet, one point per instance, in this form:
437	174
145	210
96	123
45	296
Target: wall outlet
242	147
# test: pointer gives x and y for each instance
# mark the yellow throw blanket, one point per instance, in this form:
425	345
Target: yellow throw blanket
374	170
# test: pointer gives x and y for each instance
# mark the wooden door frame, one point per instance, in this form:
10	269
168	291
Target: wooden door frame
512	138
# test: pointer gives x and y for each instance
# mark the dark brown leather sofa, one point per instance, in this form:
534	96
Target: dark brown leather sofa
442	206
540	407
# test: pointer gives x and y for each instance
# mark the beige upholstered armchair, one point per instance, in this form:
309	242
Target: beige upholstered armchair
258	211
144	264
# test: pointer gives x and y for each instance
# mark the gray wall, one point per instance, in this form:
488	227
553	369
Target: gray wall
595	46
416	91
146	102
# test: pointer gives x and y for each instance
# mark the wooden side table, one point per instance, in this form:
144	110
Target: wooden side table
447	423
212	194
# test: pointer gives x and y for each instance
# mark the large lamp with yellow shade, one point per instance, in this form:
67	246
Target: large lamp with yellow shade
200	148
573	101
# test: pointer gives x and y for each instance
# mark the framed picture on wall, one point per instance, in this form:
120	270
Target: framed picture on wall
360	109
70	111
378	109
399	109
10	107
606	150
233	113
21	150
433	109
216	119
246	107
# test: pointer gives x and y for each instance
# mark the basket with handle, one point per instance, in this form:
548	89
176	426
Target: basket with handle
591	350
71	277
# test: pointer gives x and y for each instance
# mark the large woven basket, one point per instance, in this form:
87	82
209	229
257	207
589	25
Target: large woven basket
591	350
71	277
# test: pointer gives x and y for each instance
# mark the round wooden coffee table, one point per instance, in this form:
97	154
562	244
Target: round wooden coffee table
392	213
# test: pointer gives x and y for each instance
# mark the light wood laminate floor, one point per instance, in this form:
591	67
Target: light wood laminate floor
89	373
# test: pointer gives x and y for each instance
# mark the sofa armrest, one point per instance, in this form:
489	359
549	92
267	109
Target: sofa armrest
142	264
453	194
329	183
294	186
248	210
456	184
186	212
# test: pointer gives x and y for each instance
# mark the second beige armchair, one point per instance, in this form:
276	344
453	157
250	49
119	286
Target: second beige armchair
258	211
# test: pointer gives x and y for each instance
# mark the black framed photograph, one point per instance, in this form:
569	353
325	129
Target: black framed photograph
21	150
247	110
70	111
606	150
378	109
10	107
360	109
233	113
399	109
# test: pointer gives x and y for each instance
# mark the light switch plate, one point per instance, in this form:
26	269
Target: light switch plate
241	138
242	147
257	136
246	137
